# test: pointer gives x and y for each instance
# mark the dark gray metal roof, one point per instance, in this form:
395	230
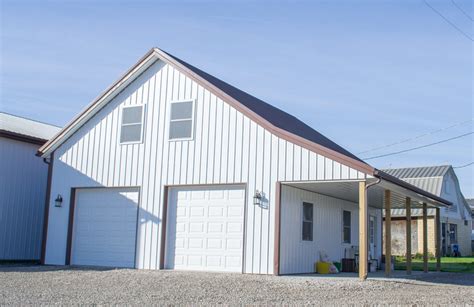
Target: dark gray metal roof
270	113
419	172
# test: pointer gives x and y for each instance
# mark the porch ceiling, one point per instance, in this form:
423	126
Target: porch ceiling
349	190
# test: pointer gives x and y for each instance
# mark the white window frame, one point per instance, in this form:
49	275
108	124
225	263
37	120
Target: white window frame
193	102
303	221
350	227
142	123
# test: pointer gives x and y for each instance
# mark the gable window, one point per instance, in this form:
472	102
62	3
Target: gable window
346	226
181	120
307	228
131	128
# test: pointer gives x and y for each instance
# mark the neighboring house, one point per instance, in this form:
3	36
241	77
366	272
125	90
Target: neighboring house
173	168
23	178
456	222
470	202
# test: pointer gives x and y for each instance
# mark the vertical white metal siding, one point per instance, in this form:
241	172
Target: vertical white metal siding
23	179
298	256
228	147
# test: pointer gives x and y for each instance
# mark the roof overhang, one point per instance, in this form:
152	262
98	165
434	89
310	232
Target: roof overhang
348	190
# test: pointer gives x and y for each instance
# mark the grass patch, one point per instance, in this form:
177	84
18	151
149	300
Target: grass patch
448	264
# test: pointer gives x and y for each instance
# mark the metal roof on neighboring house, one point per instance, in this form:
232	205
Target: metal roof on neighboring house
428	178
24	128
470	202
429	184
419	172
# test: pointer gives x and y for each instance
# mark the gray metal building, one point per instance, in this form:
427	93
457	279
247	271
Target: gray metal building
23	178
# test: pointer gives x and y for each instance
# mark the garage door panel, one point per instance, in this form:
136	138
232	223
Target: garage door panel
205	229
214	261
105	223
216	194
237	194
196	212
235	212
215	227
195	195
196	227
233	243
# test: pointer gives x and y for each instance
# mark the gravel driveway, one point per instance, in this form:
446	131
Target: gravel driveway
62	285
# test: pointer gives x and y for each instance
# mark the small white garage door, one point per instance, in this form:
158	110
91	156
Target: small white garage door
105	225
205	228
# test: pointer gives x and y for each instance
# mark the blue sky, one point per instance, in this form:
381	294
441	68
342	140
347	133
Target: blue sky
364	73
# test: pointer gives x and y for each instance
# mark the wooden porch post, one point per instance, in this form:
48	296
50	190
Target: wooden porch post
363	236
388	233
425	238
438	240
408	234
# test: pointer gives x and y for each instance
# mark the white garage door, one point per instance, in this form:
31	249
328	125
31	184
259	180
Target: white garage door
105	225
205	229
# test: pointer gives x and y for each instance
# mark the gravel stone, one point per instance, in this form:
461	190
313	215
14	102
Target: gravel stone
59	285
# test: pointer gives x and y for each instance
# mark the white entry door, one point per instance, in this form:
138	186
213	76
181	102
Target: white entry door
206	228
105	225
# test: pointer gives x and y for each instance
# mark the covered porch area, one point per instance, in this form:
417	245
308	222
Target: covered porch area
317	218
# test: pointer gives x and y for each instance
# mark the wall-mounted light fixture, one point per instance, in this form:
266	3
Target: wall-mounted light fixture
258	198
58	202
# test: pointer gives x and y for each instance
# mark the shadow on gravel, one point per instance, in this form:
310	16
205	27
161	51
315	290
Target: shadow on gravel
458	279
35	268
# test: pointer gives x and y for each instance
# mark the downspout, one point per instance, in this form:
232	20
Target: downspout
370	185
46	207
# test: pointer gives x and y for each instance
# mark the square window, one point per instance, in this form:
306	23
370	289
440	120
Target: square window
181	120
180	129
132	124
131	133
182	110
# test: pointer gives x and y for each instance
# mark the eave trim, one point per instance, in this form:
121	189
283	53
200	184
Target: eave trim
22	137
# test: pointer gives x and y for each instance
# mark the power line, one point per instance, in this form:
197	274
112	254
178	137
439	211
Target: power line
465	165
448	21
419	147
416	137
462	10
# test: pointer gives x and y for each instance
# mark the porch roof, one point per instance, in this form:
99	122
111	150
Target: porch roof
349	190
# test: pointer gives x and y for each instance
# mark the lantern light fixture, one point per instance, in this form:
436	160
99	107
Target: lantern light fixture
258	198
58	202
